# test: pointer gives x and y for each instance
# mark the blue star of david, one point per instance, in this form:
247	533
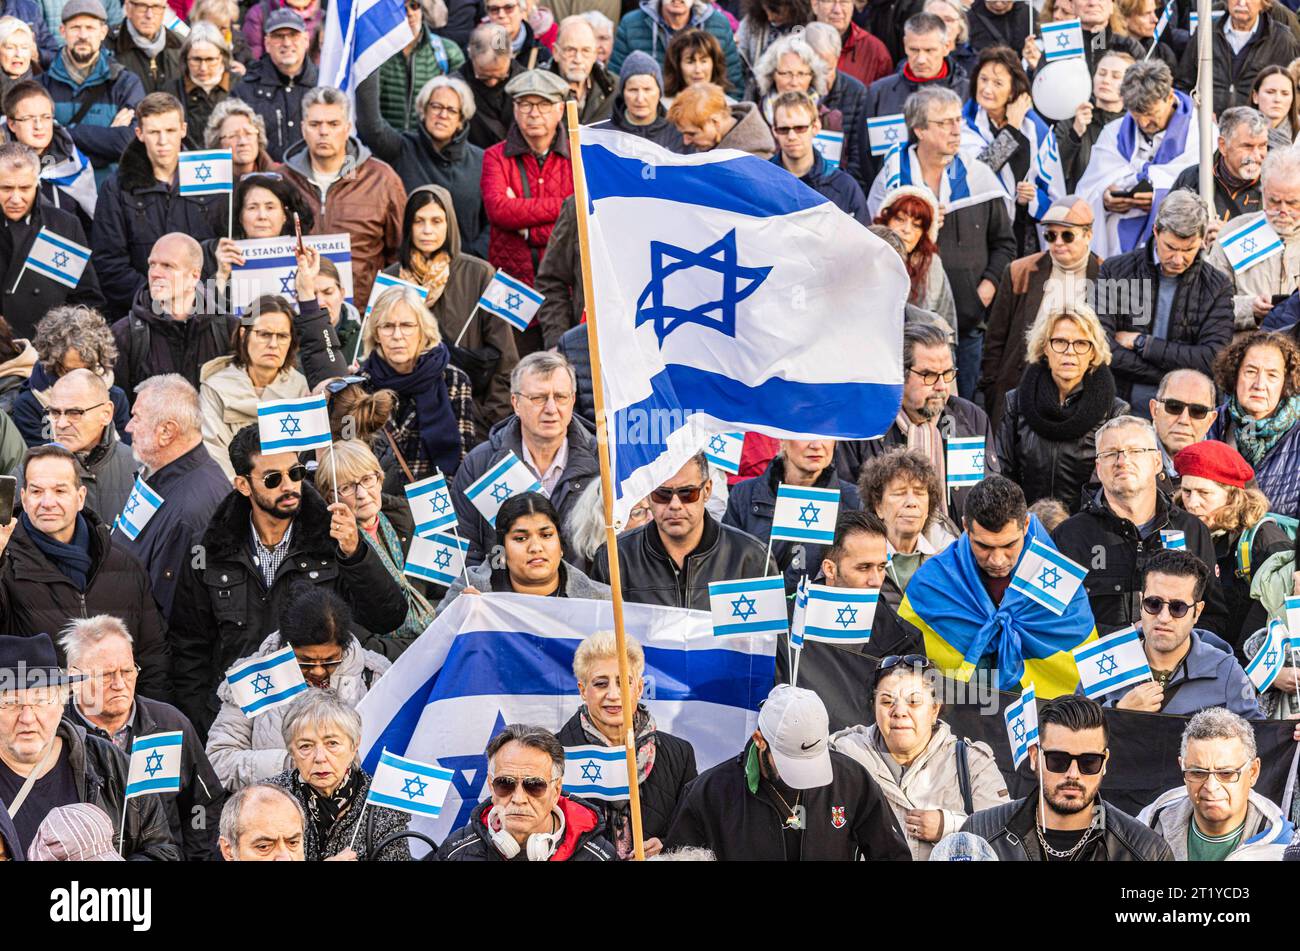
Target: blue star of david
1050	578
1106	664
977	460
440	503
1270	658
717	444
153	764
891	133
719	257
414	787
1062	40
501	492
287	283
1018	730
261	684
1248	244
442	559
743	608
591	770
203	172
846	616
809	514
290	426
60	258
514	301
469	773
132	504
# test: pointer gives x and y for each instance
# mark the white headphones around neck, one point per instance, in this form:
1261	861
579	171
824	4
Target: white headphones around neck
541	845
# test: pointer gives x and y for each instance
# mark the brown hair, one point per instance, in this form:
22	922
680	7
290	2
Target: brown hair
50	451
1228	364
693	41
910	463
266	304
157	104
1243	510
1004	57
369	412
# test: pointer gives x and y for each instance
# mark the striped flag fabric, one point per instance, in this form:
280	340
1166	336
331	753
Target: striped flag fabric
293	425
1247	246
409	785
174	23
1293	616
748	606
1022	725
1062	40
723	451
58	258
805	514
1173	539
1161	25
840	615
1048	577
885	132
155	764
383	282
1194	18
437	558
359	36
510	299
965	460
210	172
1270	658
430	502
1112	662
140	506
596	772
799	616
831	146
258	684
508	478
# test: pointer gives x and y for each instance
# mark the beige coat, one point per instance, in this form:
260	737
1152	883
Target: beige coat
229	401
931	781
1279	274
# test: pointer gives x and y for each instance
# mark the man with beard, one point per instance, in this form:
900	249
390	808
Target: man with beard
268	535
1243	143
1074	823
575	62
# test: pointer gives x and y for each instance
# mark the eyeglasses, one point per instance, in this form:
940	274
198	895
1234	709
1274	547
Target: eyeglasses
128	675
919	661
242	136
501	9
1058	761
269	337
394	330
535	786
1196	776
203	60
687	493
272	480
793	74
533	108
1113	456
44	119
369	481
784	130
73	415
1194	410
1061	345
10	702
1177	609
640	511
539	400
1066	237
931	377
438	109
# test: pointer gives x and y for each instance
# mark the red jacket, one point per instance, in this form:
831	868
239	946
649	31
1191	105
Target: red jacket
864	57
522	219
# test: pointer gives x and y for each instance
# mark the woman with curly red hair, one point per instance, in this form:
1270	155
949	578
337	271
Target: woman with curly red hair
912	213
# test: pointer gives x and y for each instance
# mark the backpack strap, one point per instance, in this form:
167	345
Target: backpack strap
528	193
1247	540
963	776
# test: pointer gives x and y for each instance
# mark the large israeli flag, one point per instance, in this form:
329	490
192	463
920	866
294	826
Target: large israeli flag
508	658
730	298
359	36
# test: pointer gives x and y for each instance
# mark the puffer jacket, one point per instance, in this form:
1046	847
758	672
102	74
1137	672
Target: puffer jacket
380	822
1009	829
107	90
582	842
574	582
1277	475
228	402
156	74
1171	815
644	29
150	344
1234	73
244	751
277	98
930	781
863	57
402	77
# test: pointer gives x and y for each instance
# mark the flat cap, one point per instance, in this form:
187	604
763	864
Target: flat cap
83	8
538	82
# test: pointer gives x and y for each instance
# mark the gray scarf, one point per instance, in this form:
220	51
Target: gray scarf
150	48
76	73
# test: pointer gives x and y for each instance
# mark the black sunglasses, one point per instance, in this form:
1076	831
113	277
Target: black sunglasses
1067	237
1058	761
915	662
1177	609
1194	410
272	480
534	786
687	493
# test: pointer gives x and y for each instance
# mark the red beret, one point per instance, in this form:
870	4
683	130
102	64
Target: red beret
1215	461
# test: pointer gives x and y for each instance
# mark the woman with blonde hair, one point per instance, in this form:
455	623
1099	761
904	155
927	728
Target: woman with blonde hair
18	52
1047	438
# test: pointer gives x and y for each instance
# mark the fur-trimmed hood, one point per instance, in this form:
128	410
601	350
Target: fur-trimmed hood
228	529
134	170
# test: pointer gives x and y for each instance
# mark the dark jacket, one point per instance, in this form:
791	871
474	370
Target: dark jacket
1200	323
31	13
836	185
1207	676
600	94
1009	829
134	211
1013	312
976	243
36	597
643	28
277	98
1114	553
25	301
847	820
380	822
28	410
1277	475
108	89
158	73
149	344
1246	615
574	348
506	436
494	111
998	29
886	97
650	576
559	278
1234	73
1228	202
222	611
660	131
9	837
199	105
660	792
582	842
193	813
884	19
848	97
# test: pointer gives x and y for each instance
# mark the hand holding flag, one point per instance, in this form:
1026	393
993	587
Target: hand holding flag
1112	663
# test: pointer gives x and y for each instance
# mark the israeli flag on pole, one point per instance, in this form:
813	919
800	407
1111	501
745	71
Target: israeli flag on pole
723	451
749	606
831	146
174	23
1271	657
1173	539
140	506
409	785
438	558
1022	725
965	460
885	132
507	478
155	764
696	260
1194	18
513	301
798	618
1293	617
508	658
359	36
840	615
1248	246
263	683
294	425
58	258
805	514
211	172
430	502
1112	662
1048	577
596	772
1062	40
1162	24
383	282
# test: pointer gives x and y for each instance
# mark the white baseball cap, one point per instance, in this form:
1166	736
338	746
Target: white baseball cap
796	727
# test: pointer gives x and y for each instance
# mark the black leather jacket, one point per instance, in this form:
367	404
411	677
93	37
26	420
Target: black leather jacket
1009	829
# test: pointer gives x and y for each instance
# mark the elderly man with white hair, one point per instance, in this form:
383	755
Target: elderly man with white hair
263	823
577	63
99	649
1242	146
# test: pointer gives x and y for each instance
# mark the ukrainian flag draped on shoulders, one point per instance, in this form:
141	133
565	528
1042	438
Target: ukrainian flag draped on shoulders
947	602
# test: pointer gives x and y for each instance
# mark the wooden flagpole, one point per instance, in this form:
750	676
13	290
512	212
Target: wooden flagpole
606	484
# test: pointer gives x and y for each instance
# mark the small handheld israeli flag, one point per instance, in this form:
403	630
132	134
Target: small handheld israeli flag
174	23
210	172
1112	662
885	132
384	281
294	425
1048	577
965	460
1161	25
259	684
1173	539
140	506
438	558
799	617
723	450
506	479
155	764
1250	245
748	606
409	785
805	514
595	772
1062	40
831	146
1022	725
1194	18
1271	657
1293	617
840	615
56	257
512	300
430	502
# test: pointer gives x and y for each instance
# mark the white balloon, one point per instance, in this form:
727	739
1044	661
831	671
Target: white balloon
1061	87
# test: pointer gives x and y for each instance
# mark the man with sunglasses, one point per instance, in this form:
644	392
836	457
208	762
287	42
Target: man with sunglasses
1182	412
1076	825
269	535
672	558
1216	813
1191	669
795	125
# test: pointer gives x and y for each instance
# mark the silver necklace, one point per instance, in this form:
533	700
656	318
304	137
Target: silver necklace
1068	854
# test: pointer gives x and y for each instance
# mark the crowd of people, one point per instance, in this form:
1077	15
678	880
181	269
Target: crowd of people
1072	303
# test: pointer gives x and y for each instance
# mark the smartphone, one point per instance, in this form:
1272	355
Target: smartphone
1141	188
8	487
297	230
